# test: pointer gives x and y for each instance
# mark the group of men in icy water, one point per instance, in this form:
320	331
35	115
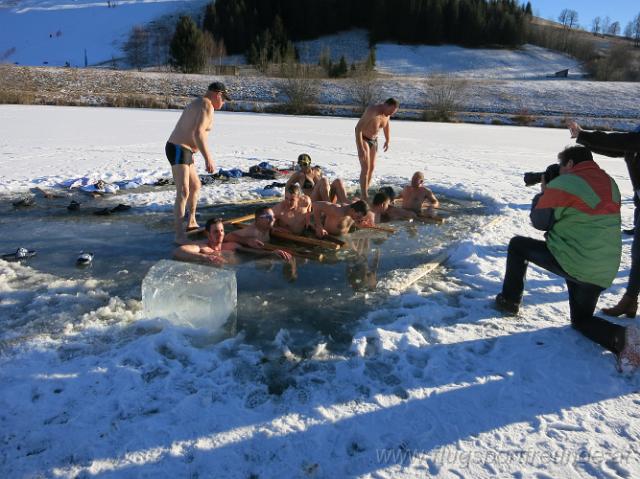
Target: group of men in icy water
311	202
294	214
578	208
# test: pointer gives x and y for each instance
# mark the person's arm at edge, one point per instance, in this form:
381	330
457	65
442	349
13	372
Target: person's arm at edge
292	179
188	253
359	136
431	198
541	218
609	143
387	135
317	218
239	238
204	120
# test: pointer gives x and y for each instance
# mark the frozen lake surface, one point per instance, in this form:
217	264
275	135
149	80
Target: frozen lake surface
431	381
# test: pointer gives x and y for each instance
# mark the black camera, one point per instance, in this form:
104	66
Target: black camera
532	178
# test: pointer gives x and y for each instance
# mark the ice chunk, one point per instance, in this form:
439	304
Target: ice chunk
189	294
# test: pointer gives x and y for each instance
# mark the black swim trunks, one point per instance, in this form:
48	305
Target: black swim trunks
308	184
373	142
178	155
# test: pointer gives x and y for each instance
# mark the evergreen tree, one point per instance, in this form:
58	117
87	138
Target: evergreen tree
528	10
186	47
341	68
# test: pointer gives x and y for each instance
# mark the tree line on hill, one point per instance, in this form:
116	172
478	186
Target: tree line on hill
264	31
245	25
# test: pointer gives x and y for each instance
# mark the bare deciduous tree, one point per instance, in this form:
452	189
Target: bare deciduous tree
628	31
299	86
363	86
213	50
606	24
161	34
444	95
568	18
614	29
136	48
595	25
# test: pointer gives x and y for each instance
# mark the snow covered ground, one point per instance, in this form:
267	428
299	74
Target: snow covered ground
529	62
435	383
53	32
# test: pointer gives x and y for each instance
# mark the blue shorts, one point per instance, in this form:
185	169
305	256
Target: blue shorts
178	155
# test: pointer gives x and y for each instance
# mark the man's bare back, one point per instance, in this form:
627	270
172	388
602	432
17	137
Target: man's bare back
335	219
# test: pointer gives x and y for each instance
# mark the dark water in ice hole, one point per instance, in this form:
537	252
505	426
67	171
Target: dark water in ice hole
321	304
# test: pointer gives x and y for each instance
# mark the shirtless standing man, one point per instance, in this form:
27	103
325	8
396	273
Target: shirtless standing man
189	137
375	117
212	251
293	214
415	194
335	219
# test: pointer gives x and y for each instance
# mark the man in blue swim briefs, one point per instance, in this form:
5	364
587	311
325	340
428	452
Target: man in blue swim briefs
374	119
188	137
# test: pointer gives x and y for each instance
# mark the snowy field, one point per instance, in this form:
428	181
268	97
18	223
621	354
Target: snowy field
53	32
529	62
435	383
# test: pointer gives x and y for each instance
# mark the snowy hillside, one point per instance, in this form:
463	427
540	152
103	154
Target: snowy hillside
53	32
530	62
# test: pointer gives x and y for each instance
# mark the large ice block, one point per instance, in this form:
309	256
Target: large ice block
189	294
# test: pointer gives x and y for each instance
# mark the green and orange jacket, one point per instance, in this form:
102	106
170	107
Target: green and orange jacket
580	210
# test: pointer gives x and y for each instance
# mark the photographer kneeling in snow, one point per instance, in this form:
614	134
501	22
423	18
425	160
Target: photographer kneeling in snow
580	212
626	145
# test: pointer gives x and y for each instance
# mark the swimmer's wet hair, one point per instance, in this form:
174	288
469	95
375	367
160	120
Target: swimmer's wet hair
261	210
389	191
294	189
210	222
392	102
360	206
380	198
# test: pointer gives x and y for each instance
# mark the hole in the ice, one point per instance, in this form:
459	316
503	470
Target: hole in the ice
314	302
